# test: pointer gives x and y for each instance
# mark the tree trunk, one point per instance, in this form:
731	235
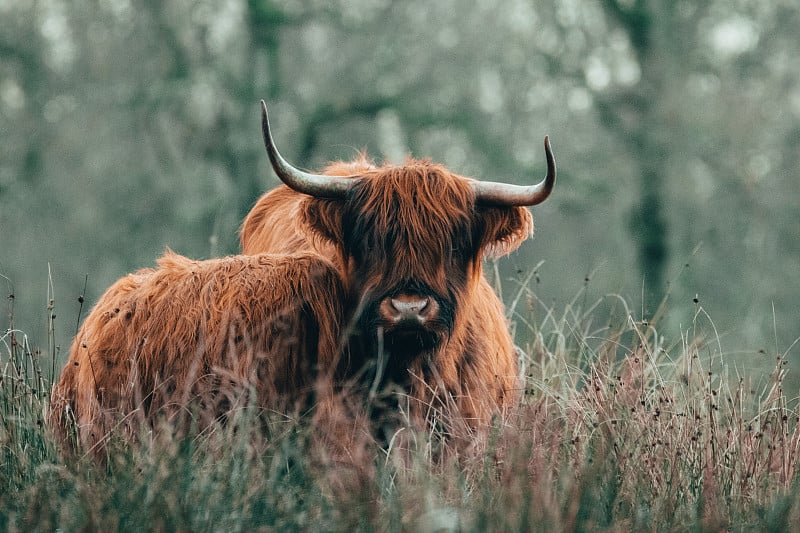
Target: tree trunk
635	116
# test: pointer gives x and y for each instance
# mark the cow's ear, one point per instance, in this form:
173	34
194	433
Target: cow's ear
503	229
324	219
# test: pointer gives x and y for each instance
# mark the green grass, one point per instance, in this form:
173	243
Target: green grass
621	427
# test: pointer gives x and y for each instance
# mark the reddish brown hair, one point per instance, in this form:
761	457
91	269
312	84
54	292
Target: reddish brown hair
200	333
415	223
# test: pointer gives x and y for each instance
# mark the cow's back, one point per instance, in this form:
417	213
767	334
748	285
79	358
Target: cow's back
273	225
201	333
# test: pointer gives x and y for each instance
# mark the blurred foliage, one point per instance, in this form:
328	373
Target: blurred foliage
132	125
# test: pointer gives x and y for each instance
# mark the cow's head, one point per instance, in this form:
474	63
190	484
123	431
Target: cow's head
411	239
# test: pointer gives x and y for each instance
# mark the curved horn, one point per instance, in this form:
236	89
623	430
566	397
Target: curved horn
318	185
506	195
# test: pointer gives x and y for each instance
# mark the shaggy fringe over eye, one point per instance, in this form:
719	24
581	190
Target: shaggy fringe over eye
504	229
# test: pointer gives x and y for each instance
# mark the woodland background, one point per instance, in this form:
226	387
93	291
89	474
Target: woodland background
129	126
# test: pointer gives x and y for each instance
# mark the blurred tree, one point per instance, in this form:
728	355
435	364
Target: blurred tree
131	125
635	117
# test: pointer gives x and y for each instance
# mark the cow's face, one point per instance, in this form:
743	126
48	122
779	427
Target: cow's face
412	239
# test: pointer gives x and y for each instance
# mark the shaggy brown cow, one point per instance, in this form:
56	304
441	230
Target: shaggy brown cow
409	242
198	336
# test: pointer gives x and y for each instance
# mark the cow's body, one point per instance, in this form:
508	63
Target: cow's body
197	337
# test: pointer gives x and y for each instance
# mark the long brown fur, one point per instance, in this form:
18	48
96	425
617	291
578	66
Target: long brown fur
194	338
409	222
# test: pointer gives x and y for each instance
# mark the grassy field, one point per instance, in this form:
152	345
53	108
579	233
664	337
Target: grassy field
621	428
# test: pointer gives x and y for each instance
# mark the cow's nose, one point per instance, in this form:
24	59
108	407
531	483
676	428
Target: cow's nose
410	307
404	308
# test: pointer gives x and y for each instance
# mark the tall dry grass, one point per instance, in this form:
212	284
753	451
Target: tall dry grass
621	426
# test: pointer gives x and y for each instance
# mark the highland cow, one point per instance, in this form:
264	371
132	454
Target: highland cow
408	242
